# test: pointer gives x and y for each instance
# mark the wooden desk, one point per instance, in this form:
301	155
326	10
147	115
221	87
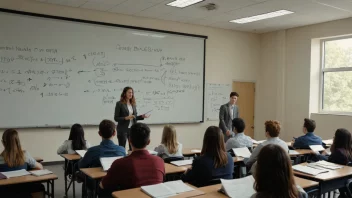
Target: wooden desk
49	179
38	159
330	181
187	152
70	159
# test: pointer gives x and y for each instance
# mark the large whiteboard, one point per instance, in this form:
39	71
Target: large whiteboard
217	95
58	72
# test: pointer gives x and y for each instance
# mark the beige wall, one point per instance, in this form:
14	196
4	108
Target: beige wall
229	55
300	79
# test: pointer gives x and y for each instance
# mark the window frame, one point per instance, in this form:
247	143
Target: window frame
327	70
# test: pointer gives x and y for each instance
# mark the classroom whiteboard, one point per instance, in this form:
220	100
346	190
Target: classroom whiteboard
56	72
217	95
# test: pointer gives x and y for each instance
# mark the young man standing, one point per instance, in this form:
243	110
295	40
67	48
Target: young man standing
227	113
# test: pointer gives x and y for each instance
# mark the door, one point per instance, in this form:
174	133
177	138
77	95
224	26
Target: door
246	91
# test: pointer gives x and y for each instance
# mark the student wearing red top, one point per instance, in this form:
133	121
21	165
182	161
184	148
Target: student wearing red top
138	169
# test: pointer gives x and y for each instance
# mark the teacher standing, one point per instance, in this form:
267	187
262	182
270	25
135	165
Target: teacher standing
126	115
227	113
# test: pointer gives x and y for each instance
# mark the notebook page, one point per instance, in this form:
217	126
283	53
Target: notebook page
308	170
178	186
316	148
17	173
81	152
243	187
242	152
41	172
158	190
182	162
106	162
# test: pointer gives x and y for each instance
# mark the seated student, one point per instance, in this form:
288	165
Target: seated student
213	163
272	131
309	138
240	139
341	150
139	168
273	175
14	158
75	141
107	148
169	146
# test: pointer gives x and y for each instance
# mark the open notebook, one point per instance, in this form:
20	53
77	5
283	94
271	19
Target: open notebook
182	162
23	172
316	148
243	187
325	165
81	152
167	189
242	152
106	162
309	170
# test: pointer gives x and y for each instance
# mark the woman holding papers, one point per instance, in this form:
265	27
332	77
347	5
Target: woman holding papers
75	141
214	162
273	175
14	158
126	115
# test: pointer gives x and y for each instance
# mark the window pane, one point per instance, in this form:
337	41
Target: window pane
337	91
338	53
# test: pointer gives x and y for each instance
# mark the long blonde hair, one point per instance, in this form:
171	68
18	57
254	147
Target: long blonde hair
12	154
169	139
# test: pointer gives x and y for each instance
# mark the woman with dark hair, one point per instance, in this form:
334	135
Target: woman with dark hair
126	115
341	151
75	141
213	163
274	176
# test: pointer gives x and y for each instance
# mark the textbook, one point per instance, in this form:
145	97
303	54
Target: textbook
242	152
81	152
309	170
182	162
243	187
17	173
106	162
167	189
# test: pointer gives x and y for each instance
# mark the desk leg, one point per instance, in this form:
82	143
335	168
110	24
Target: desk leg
52	189
65	176
73	179
95	190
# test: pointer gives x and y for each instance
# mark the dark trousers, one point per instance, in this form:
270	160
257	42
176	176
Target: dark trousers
122	136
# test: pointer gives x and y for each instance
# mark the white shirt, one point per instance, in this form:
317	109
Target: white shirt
231	111
130	110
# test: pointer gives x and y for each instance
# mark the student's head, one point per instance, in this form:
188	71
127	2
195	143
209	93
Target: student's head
128	95
272	128
342	140
308	126
233	97
77	137
214	146
139	136
107	129
169	138
12	154
238	125
273	176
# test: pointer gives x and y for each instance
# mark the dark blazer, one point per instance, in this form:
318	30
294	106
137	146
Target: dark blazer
338	156
203	171
225	121
121	111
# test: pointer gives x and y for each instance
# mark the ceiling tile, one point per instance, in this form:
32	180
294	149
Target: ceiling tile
132	6
72	3
94	5
337	4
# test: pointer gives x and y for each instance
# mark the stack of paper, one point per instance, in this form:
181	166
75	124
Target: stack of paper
308	170
152	152
17	173
81	152
242	152
41	172
316	148
106	162
166	189
182	162
238	188
327	165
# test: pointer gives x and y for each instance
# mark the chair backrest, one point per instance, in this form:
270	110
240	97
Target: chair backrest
171	159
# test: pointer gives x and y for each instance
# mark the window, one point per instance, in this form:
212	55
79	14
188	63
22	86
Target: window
337	75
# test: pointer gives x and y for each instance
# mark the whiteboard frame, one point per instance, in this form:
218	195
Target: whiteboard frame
119	26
